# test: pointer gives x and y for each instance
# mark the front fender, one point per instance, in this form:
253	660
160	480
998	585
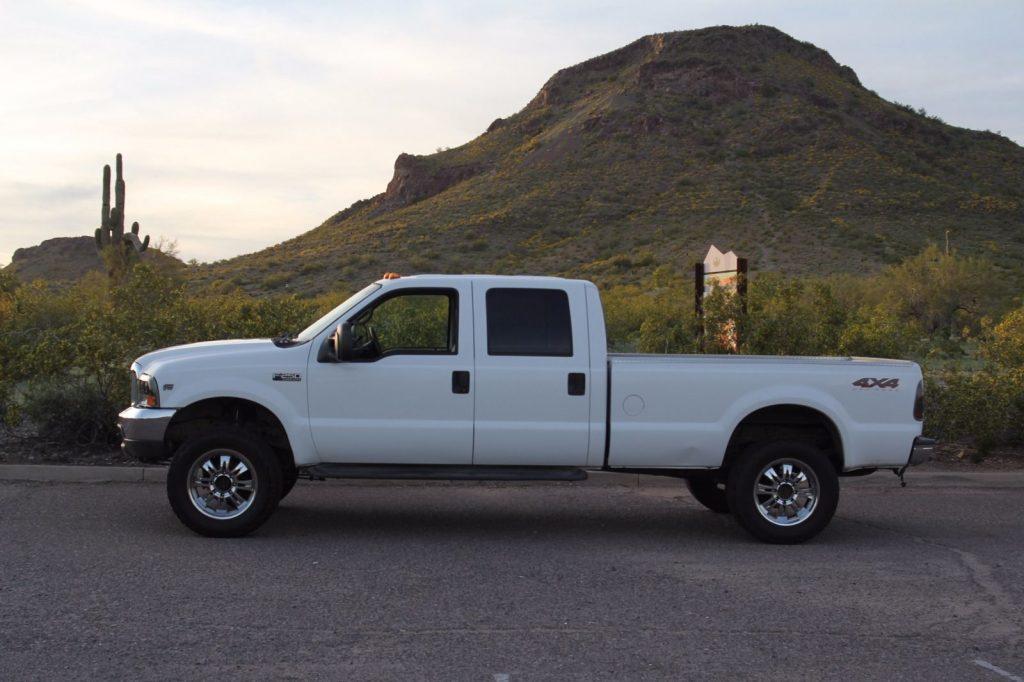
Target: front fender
287	403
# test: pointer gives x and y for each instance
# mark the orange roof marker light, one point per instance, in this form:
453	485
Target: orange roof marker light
391	275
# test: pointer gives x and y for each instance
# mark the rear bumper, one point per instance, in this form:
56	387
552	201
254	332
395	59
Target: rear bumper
142	432
921	451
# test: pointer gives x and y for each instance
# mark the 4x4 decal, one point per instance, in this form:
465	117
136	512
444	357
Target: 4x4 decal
870	382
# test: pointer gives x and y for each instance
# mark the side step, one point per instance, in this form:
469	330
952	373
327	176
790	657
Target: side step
445	473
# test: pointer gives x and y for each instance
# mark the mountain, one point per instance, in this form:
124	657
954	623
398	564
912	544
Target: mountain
68	259
740	136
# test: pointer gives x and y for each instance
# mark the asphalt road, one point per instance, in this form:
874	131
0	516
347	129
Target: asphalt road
495	583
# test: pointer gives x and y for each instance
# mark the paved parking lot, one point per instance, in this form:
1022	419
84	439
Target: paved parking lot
484	582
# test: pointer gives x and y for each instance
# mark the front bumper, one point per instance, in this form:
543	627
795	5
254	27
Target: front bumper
921	451
142	432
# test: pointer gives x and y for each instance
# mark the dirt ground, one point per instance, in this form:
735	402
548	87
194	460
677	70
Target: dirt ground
22	446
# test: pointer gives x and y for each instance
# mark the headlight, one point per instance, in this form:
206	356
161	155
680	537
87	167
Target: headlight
145	391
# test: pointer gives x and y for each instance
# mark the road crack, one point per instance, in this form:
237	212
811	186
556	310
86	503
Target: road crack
1004	621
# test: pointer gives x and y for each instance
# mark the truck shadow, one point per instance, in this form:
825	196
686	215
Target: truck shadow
474	524
469	520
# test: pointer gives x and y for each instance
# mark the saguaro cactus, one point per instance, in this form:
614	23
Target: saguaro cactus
111	229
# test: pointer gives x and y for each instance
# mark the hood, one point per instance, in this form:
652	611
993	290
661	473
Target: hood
204	349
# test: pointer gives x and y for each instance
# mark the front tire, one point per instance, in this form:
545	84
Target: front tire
783	492
289	476
224	483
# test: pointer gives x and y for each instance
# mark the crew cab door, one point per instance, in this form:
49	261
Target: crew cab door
532	374
407	396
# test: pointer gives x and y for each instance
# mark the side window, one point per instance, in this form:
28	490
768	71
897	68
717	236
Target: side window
528	322
418	322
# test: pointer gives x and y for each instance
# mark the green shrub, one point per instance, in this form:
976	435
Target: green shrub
78	342
1005	343
874	331
983	408
790	317
71	410
275	280
68	349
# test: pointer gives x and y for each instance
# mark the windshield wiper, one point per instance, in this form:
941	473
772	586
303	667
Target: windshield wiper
284	340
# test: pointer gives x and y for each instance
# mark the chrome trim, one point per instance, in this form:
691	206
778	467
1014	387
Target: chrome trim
922	451
144	423
786	492
222	484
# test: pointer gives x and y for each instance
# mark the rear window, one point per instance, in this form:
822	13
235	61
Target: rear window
528	322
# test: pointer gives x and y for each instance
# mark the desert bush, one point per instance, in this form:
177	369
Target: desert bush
82	339
65	351
1005	343
983	408
943	293
70	410
656	317
875	331
791	317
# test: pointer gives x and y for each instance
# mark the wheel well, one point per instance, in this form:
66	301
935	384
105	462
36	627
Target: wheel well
246	414
786	422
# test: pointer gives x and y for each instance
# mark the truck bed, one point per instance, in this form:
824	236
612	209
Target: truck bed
681	410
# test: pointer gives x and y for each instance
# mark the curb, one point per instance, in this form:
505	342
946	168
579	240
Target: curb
70	473
81	473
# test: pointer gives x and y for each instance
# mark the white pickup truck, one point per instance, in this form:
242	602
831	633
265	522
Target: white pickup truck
509	378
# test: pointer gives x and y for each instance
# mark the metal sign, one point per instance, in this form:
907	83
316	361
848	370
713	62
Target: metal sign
719	270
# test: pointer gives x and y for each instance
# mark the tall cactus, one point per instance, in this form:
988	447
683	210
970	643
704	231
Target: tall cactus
111	229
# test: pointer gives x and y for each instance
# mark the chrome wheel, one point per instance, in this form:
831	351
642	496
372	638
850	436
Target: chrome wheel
222	484
786	492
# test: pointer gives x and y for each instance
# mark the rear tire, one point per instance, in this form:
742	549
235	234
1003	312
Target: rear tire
783	492
224	483
709	492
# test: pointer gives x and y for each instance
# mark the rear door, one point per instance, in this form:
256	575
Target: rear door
532	374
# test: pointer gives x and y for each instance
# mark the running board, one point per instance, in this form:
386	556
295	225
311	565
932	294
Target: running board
445	473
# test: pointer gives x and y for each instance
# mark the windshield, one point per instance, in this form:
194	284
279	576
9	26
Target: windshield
349	303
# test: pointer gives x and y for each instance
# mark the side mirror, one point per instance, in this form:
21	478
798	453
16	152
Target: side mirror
344	337
338	346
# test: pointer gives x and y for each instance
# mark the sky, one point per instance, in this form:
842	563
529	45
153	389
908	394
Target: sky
243	124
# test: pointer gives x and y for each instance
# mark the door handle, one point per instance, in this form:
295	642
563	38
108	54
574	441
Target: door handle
460	381
577	383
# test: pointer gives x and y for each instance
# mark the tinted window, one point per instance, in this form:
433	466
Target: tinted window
416	322
528	322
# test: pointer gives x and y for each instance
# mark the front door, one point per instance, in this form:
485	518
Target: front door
532	378
406	397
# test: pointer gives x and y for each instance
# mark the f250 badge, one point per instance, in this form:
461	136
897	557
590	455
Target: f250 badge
870	382
287	376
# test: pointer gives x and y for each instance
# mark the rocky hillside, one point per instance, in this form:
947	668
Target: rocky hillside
638	158
59	260
68	259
